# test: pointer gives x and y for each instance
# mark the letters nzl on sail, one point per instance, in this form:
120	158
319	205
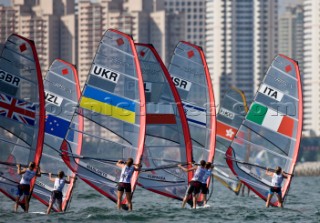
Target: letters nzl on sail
52	98
9	78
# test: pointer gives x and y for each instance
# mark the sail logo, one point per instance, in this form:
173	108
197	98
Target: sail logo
101	173
226	113
9	78
156	177
59	86
52	98
271	92
105	73
195	115
181	83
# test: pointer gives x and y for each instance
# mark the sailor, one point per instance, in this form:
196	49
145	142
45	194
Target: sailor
56	194
24	185
277	178
124	184
204	185
195	183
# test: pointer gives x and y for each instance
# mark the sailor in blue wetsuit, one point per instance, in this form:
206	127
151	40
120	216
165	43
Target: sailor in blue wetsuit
195	183
276	181
124	184
24	185
204	185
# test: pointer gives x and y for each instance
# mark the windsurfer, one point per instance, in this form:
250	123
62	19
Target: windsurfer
277	178
56	194
124	184
195	183
204	186
24	185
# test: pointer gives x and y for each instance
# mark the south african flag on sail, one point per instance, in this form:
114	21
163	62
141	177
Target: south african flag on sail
271	119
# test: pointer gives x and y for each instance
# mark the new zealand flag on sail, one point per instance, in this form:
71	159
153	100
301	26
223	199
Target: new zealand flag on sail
56	126
16	109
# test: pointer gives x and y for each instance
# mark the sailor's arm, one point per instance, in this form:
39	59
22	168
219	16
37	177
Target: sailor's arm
137	167
67	181
120	163
285	175
19	170
268	172
50	177
187	169
38	172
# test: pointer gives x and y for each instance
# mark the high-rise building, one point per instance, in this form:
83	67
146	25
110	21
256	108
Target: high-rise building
194	21
89	35
51	24
241	41
7	19
291	31
134	17
145	20
311	68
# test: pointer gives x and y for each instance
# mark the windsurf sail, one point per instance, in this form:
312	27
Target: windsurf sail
167	142
233	108
22	111
62	93
190	74
271	130
113	107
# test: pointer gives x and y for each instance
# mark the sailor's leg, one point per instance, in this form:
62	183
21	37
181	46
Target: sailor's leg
129	199
280	201
17	203
119	198
269	199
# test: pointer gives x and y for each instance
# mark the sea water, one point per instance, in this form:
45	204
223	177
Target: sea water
302	205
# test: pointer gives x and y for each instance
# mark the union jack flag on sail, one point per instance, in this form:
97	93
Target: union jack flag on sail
16	109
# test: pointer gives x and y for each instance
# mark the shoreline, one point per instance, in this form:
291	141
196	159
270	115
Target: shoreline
307	169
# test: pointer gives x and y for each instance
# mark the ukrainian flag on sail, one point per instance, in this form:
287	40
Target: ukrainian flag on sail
108	104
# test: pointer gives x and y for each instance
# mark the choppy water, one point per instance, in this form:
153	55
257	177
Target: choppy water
302	205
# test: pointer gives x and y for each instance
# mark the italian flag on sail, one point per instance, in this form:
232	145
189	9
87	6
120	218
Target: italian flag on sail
271	119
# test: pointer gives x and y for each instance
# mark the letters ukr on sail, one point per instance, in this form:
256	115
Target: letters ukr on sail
113	107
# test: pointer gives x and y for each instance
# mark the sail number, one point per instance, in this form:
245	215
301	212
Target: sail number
181	83
271	92
52	98
9	78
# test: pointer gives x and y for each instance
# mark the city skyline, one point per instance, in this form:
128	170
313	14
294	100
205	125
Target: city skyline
239	43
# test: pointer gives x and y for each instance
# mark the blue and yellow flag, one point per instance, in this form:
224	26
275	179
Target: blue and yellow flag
108	104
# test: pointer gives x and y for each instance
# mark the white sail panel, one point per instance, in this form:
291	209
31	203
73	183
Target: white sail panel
167	142
113	107
279	99
21	111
